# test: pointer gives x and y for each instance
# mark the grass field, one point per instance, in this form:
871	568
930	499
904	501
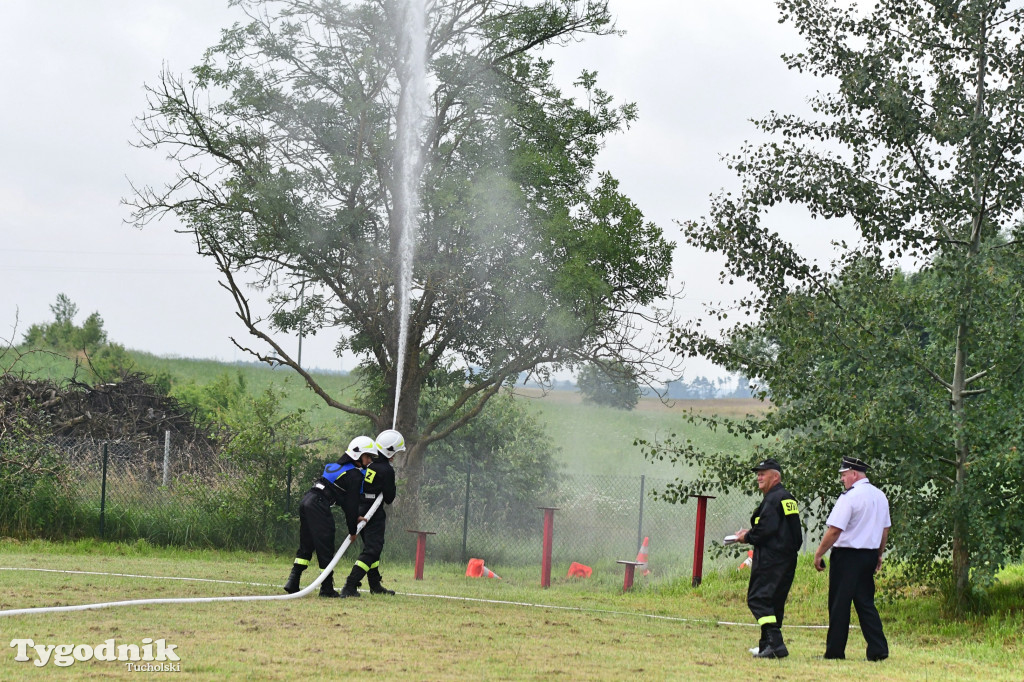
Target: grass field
599	634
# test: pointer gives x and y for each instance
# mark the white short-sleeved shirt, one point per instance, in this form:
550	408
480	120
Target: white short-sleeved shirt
861	513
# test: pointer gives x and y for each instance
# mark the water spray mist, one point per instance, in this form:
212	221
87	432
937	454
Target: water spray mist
412	52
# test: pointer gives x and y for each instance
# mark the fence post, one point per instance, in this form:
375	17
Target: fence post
698	538
549	533
465	512
103	495
640	526
167	454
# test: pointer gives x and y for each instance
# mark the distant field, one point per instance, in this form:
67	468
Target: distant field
592	439
599	440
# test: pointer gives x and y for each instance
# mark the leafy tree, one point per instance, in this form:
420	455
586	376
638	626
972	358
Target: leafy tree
527	258
63	334
918	146
611	384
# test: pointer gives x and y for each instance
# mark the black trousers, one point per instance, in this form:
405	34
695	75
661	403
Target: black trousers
373	537
769	589
316	528
851	579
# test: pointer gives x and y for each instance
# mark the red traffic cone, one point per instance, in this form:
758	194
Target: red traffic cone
476	569
746	562
641	557
577	570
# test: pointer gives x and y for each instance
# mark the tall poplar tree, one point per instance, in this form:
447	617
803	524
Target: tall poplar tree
906	349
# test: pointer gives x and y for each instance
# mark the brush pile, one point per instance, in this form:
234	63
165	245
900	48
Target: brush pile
130	411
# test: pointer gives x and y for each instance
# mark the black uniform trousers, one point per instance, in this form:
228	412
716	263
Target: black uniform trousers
851	579
316	528
769	588
373	537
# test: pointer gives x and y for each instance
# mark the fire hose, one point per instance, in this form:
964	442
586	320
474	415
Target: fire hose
200	600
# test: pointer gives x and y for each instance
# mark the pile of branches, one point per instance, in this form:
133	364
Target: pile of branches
131	410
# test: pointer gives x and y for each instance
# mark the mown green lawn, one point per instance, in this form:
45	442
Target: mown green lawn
583	630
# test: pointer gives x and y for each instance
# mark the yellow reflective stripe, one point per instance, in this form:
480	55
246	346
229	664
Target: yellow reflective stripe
375	564
302	562
363	566
765	620
756	520
789	507
370	475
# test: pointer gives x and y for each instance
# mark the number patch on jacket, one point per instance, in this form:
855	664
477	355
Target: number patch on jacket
789	507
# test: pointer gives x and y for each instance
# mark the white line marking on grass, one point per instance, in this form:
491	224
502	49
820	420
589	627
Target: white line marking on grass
579	609
132	575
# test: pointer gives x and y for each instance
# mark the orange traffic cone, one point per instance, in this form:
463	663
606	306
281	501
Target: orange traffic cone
577	570
641	557
476	569
746	562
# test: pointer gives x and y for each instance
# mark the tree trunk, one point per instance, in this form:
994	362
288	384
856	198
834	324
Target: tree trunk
409	465
961	552
961	559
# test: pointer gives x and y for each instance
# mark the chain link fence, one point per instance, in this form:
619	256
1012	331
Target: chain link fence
125	491
597	519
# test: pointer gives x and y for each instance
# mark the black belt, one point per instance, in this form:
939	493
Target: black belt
319	486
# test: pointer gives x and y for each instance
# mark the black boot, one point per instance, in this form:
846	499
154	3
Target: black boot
327	587
763	642
292	586
776	647
351	588
373	578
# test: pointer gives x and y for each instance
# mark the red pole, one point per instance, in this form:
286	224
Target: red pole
549	531
421	551
698	537
627	580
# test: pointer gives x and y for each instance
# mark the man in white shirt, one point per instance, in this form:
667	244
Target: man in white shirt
858	529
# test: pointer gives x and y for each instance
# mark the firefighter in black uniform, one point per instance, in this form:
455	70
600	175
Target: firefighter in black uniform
340	484
776	536
380	481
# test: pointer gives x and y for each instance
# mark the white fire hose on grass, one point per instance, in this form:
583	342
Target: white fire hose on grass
199	600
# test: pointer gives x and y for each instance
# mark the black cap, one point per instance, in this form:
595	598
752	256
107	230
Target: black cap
852	463
766	465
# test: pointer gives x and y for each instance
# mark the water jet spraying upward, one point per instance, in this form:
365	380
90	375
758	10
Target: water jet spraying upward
412	100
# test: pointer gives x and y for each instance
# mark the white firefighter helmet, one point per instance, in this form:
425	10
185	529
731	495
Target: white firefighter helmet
389	442
359	446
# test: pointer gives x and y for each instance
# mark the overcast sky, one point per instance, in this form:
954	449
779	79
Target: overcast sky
71	84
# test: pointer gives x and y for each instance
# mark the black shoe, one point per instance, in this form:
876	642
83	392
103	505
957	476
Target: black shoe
880	657
773	652
377	588
775	647
292	586
330	594
349	591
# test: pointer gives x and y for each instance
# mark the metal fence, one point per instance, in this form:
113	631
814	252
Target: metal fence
161	495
